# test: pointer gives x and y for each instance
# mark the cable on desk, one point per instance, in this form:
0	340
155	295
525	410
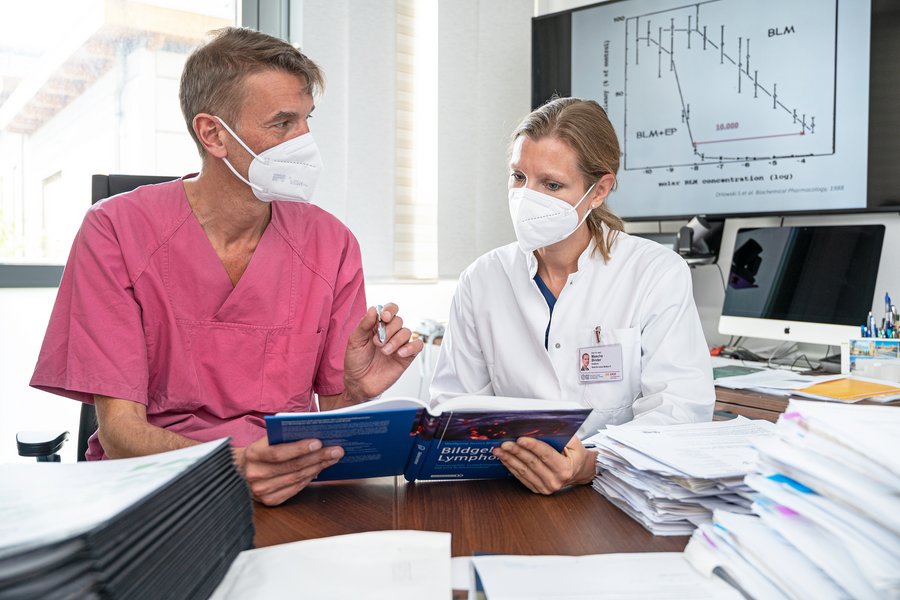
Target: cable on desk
808	364
722	276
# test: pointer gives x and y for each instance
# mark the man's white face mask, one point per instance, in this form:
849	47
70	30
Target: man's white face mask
541	220
288	171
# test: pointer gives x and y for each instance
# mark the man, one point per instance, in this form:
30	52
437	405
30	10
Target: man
189	310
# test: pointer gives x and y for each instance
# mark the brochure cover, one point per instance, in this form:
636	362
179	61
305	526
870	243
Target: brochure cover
453	441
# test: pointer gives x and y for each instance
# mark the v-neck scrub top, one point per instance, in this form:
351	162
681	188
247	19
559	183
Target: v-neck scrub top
641	299
146	312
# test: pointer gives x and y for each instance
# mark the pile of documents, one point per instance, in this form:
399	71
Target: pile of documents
162	526
775	382
782	382
826	510
670	478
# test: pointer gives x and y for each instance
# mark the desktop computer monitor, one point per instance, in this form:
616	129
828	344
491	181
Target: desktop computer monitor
811	284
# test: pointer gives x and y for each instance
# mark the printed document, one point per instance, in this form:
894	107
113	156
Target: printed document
712	450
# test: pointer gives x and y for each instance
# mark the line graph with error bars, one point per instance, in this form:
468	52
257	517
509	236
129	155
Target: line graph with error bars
727	81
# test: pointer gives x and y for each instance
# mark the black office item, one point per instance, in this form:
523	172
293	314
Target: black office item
685	240
175	537
810	284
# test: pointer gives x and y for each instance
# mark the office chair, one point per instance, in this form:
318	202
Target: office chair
45	445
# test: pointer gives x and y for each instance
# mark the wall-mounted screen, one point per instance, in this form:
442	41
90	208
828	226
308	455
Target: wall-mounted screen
806	284
724	107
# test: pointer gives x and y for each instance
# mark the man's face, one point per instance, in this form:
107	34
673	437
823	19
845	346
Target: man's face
277	107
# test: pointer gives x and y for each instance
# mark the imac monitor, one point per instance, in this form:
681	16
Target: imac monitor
810	284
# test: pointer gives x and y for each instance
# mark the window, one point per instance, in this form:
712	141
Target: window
94	89
415	210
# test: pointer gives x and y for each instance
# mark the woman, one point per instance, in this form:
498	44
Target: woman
525	315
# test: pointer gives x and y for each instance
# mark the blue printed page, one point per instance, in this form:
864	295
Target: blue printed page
376	443
463	440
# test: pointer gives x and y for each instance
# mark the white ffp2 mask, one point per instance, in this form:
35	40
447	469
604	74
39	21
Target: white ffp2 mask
541	220
288	171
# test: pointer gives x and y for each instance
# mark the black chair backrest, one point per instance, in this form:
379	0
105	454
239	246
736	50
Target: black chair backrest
104	186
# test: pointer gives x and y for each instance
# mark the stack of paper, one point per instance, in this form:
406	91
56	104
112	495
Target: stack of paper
776	382
827	509
670	478
161	526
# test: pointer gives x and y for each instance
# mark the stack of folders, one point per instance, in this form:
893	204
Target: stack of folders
670	478
826	520
162	526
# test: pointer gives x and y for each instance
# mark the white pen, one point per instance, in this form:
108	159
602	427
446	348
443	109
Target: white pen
382	332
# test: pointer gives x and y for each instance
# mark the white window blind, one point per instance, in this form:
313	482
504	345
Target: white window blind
415	209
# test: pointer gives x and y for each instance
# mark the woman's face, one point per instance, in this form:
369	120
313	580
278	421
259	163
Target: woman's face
549	166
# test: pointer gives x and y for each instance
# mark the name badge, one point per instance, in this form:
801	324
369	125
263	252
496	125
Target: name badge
597	364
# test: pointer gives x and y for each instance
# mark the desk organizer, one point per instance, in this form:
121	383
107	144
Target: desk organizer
878	358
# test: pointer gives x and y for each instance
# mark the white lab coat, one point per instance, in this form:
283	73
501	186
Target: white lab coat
641	299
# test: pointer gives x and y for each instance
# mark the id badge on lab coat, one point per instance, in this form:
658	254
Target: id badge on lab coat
597	364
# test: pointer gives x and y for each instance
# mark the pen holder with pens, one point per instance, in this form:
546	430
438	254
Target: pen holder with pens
877	358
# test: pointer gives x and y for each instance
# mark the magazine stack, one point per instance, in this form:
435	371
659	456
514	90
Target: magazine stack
161	526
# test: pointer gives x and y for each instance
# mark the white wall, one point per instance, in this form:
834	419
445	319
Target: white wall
353	124
484	91
484	74
23	318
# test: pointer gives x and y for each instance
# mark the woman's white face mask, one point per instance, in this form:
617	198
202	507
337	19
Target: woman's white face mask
541	220
288	171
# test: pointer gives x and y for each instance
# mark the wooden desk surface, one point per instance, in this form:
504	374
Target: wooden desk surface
499	516
756	405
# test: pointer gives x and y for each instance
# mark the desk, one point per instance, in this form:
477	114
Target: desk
753	405
499	516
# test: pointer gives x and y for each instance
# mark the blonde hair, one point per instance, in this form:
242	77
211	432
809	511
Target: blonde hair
213	76
585	128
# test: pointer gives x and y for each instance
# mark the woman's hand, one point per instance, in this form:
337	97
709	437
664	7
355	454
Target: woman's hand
542	469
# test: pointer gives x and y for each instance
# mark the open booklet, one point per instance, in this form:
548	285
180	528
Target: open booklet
452	441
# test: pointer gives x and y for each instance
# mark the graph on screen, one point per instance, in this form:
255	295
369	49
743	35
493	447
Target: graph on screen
719	83
728	106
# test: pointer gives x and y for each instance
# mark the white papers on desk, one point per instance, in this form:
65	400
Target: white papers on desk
777	382
376	564
712	450
827	506
671	478
650	575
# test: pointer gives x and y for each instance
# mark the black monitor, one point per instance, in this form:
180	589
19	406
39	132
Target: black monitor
806	284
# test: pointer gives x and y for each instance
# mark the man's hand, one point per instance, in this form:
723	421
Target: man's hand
276	473
371	367
544	470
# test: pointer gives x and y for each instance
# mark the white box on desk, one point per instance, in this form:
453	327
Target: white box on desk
876	358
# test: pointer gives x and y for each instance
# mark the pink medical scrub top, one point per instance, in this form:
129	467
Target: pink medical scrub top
146	312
